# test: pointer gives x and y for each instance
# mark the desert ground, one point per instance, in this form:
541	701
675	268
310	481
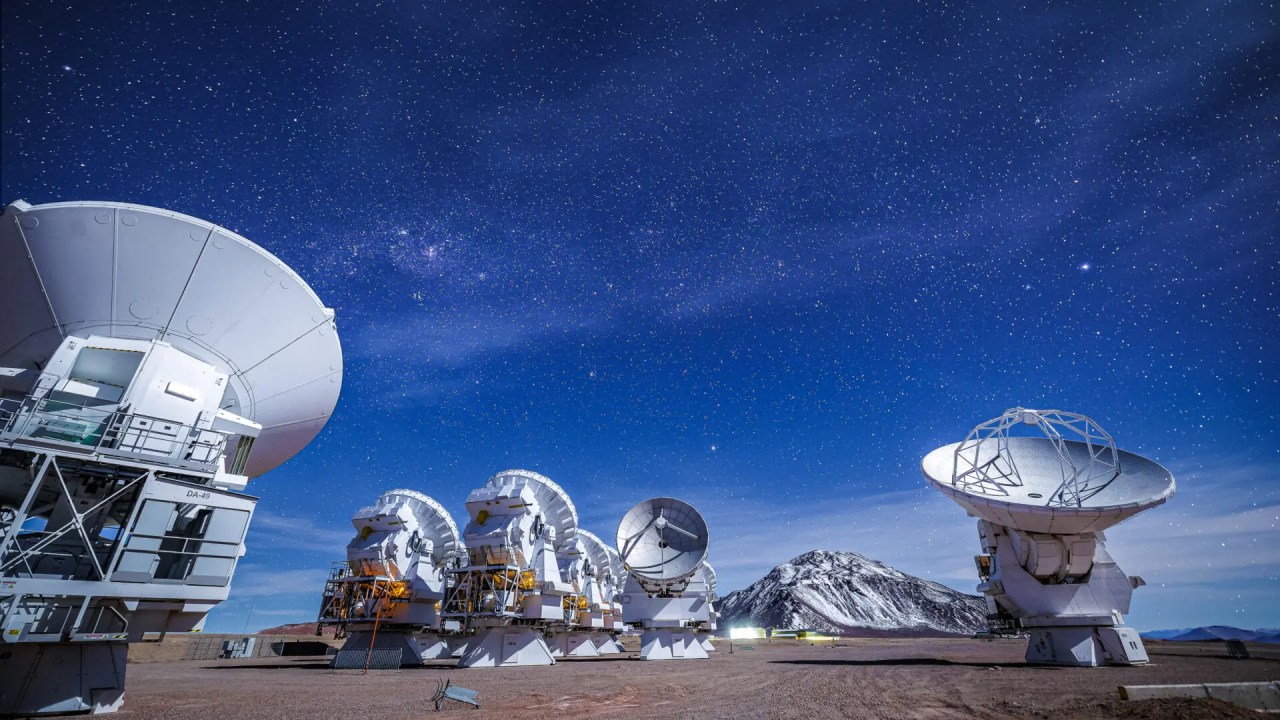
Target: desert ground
850	678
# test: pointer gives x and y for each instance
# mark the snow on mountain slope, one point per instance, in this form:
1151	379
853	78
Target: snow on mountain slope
847	593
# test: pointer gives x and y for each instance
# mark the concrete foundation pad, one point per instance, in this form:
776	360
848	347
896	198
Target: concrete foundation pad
670	644
507	647
58	678
1255	695
572	645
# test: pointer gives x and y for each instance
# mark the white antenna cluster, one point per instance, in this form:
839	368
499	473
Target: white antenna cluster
1044	498
150	364
522	584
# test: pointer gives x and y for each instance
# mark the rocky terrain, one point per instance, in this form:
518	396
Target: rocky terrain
868	678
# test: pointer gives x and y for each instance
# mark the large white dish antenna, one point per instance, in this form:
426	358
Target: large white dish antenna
130	271
436	522
663	540
557	509
1025	505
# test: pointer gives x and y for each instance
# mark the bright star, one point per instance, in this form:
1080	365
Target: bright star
1085	266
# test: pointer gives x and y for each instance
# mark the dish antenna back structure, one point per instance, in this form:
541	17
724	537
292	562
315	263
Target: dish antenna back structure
150	364
605	612
1045	484
704	584
616	584
582	612
663	542
510	588
387	594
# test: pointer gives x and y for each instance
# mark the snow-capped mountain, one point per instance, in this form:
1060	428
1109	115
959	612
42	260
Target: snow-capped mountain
847	593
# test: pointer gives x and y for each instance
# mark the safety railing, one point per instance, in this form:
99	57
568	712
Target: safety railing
81	428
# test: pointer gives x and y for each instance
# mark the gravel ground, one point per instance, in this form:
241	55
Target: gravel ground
858	678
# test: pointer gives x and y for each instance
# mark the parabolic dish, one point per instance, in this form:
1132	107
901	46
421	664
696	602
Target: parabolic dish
437	524
130	271
663	539
1141	484
616	567
597	553
557	509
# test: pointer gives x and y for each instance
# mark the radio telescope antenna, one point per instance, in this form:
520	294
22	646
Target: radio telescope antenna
77	269
511	587
605	586
663	542
619	577
1045	484
388	593
583	612
151	363
704	583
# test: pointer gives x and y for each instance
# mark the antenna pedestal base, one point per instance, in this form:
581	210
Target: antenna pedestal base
1088	646
606	644
434	647
573	644
638	607
54	679
507	647
415	648
1071	623
671	644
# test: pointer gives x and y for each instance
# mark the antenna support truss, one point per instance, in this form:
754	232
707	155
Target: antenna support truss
980	471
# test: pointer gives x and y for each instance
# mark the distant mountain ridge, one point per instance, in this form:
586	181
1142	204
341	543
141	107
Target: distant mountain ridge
1215	632
1165	634
307	628
847	593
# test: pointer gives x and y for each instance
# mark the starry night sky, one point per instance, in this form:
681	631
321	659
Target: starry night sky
759	257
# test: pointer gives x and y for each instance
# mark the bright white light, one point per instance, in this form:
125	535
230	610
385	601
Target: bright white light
1085	266
745	633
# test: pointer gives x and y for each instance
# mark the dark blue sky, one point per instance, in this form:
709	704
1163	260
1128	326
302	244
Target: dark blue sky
760	257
